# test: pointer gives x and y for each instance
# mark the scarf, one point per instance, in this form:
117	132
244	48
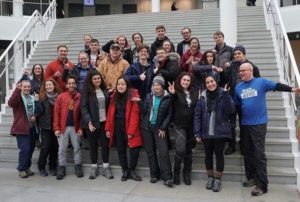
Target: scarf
212	99
51	97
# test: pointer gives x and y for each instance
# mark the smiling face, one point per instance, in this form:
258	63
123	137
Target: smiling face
160	33
143	54
137	39
71	85
49	86
210	83
122	42
219	39
194	45
84	59
239	56
121	86
157	89
167	46
246	72
37	70
161	55
94	47
186	34
62	53
115	52
210	58
87	40
96	80
185	82
25	87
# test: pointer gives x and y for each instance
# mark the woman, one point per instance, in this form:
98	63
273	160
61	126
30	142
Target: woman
212	126
24	126
94	104
191	56
184	100
138	40
123	127
37	80
167	45
205	67
44	112
123	44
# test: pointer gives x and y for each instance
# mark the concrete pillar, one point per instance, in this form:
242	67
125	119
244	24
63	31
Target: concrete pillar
228	21
18	8
155	4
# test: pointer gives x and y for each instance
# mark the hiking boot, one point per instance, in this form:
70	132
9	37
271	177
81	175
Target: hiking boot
169	183
94	173
78	170
210	183
187	178
217	185
29	172
106	172
249	183
176	179
134	176
61	172
23	174
257	191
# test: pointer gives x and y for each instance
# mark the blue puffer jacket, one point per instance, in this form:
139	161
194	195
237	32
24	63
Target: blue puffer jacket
133	75
224	109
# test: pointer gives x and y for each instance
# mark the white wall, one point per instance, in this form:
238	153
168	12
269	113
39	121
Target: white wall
291	16
10	26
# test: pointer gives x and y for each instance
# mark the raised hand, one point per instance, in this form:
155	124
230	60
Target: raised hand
171	87
143	76
135	99
226	88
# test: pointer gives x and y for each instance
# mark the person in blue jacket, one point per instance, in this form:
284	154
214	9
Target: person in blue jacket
212	126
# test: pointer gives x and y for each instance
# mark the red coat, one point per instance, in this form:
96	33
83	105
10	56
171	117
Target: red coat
61	109
132	121
185	57
20	125
54	66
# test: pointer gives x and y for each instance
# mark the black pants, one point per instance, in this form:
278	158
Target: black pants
216	146
153	143
49	150
94	137
253	143
184	143
121	143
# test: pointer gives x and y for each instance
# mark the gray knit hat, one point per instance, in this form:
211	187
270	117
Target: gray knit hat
160	80
240	48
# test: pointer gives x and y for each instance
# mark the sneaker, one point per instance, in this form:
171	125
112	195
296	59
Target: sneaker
217	185
249	183
94	173
43	173
257	191
124	176
134	176
29	172
210	182
78	170
187	178
154	179
106	172
176	179
61	172
23	174
169	183
52	172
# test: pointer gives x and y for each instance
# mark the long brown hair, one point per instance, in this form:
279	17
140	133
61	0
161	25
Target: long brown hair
43	94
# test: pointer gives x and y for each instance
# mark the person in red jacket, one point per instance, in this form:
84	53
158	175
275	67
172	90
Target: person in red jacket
56	67
66	125
123	127
24	127
191	56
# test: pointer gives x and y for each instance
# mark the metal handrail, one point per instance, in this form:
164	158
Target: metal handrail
287	57
30	29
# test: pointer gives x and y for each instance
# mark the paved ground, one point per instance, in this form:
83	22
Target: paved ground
44	189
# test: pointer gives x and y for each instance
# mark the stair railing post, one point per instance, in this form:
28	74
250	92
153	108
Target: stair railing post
228	21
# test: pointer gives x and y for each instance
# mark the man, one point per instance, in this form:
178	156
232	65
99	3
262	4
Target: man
66	125
140	74
56	67
168	68
24	127
230	76
223	52
113	66
184	44
250	97
161	37
95	53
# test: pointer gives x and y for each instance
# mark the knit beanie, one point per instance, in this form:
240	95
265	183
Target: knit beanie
160	80
240	48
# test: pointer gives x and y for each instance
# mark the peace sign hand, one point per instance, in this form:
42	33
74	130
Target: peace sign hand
171	87
226	88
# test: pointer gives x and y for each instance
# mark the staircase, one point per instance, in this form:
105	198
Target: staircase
252	33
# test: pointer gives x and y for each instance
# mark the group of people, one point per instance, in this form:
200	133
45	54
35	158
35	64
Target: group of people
143	97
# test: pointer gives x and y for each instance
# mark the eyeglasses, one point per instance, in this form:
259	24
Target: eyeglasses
243	70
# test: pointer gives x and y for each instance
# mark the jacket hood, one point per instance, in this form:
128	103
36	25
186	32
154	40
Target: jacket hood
174	56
